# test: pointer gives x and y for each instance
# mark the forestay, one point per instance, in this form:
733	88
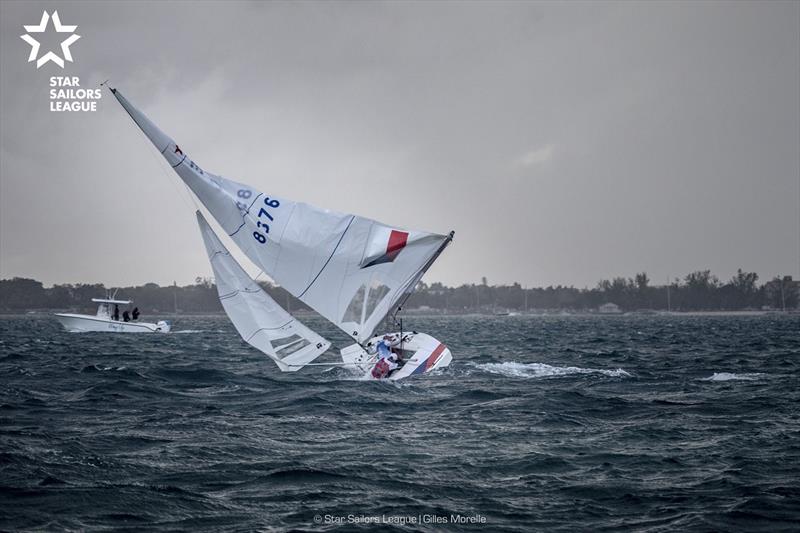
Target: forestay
258	318
350	269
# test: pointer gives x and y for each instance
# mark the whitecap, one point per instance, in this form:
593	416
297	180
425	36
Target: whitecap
541	370
730	376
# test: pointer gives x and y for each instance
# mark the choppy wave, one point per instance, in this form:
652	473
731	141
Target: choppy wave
730	376
542	370
608	427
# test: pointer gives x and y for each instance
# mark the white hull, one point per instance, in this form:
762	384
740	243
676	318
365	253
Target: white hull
421	354
84	323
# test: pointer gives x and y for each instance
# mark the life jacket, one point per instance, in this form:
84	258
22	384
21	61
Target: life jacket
381	369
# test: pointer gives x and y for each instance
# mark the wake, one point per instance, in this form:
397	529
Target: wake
541	370
729	376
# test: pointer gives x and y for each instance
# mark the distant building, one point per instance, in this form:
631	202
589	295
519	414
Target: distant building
609	309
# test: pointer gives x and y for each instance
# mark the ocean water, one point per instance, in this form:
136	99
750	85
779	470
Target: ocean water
648	423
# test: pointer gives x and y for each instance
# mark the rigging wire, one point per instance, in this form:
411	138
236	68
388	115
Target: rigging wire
170	177
160	162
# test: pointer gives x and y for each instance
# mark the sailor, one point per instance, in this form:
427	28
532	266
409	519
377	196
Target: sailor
387	358
116	312
384	347
135	313
384	367
126	317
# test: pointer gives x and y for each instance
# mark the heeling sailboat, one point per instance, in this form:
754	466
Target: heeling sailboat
352	270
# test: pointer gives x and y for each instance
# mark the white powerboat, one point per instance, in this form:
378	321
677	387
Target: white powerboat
104	320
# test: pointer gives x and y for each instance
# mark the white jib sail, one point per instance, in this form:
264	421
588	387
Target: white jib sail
260	321
350	269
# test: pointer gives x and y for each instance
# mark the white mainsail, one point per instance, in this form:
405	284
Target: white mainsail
350	269
260	321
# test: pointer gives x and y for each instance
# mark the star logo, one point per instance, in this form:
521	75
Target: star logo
50	55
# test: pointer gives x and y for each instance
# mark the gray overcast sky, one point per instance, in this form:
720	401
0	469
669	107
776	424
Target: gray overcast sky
564	143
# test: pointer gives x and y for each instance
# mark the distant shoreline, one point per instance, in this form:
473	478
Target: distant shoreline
699	293
415	313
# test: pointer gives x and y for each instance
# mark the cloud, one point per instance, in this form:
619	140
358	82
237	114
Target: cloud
657	113
536	157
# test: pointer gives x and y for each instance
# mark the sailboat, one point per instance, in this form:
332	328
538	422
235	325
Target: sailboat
352	270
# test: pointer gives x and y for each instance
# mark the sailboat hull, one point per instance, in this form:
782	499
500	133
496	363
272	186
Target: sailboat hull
75	323
420	353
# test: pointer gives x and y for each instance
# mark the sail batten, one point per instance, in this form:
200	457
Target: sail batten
350	269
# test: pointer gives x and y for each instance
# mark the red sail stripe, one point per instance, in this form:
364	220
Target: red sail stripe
397	241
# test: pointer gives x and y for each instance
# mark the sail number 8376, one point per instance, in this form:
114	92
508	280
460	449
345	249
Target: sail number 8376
263	216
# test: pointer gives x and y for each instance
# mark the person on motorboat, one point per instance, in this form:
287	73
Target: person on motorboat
135	313
116	312
126	317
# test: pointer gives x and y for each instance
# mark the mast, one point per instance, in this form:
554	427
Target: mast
669	304
424	269
525	291
783	298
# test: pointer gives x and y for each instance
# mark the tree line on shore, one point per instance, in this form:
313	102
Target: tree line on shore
697	291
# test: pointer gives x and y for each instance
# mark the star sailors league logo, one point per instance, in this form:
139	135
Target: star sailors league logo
386	244
50	55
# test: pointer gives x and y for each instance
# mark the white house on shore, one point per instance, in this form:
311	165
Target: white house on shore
609	309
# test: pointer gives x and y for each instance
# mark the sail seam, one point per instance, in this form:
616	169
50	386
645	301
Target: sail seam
247	212
352	218
402	293
219	252
268	329
179	162
237	291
